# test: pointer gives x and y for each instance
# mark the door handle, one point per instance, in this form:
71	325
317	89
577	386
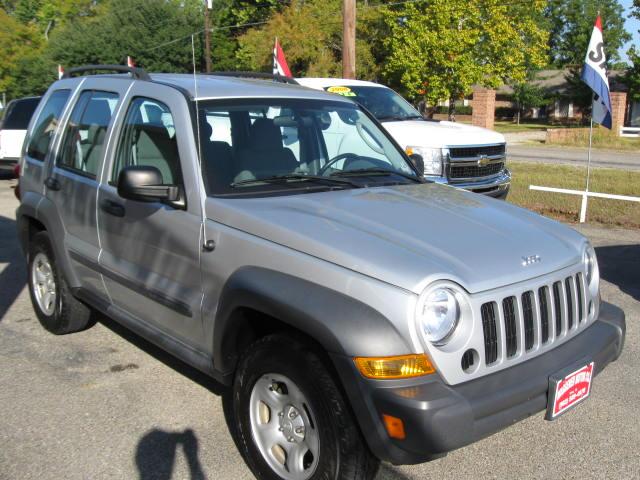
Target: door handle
52	183
112	208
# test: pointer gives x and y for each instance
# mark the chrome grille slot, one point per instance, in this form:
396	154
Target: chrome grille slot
579	297
557	303
570	309
475	161
511	333
488	311
544	313
527	317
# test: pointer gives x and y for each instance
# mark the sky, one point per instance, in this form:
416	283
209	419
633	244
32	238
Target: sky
632	25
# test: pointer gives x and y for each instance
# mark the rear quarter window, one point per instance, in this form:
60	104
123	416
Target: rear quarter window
47	124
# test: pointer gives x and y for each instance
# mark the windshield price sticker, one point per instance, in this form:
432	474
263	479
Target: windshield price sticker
344	91
567	392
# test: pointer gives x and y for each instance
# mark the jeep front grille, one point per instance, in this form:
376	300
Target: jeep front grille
475	162
518	324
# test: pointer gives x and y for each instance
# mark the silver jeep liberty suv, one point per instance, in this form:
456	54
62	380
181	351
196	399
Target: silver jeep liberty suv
278	239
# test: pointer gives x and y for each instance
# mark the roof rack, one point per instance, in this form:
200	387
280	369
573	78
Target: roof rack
258	75
136	73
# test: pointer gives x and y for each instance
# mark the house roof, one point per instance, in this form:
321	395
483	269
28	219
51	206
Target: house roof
555	82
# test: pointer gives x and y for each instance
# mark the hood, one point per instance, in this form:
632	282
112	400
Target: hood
410	235
440	134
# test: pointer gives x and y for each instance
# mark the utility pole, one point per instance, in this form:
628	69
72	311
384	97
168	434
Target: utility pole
207	35
349	39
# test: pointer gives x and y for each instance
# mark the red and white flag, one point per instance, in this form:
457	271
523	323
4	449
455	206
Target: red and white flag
280	66
60	71
130	62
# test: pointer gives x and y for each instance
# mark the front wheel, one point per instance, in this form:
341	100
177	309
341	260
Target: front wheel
289	419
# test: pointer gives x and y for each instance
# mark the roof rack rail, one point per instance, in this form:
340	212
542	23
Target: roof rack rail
258	75
136	73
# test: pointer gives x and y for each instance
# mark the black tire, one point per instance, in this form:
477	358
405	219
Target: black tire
344	454
70	315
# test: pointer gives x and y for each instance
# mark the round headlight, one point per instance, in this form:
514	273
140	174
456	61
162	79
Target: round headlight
591	265
438	313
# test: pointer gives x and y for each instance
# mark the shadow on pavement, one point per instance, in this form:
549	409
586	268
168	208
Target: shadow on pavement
390	472
169	360
13	277
620	265
156	452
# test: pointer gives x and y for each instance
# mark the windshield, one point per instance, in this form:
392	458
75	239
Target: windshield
273	145
383	103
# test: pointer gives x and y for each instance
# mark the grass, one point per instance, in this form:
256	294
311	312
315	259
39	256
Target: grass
567	207
510	127
602	138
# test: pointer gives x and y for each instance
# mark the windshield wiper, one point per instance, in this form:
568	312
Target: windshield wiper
295	176
363	172
399	118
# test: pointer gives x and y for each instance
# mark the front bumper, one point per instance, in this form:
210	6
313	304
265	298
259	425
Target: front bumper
497	186
439	418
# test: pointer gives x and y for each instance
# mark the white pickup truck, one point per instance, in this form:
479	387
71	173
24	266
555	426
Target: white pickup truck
460	155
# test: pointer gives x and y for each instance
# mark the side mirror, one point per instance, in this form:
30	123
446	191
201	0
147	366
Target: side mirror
418	162
144	184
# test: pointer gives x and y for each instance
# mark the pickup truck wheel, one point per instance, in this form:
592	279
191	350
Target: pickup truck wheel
57	309
289	419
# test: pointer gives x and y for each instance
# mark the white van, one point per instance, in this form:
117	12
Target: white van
13	128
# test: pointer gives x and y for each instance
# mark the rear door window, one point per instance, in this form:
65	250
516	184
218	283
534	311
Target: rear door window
86	132
47	124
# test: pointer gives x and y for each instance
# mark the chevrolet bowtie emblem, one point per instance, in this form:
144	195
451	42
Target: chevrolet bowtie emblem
483	161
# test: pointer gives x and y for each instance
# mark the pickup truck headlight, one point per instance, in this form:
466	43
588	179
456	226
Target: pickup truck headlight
438	312
433	159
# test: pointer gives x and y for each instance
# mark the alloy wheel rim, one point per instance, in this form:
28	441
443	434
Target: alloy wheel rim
44	284
283	427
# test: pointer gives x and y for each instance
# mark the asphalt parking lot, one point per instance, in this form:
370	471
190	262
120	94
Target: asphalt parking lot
105	404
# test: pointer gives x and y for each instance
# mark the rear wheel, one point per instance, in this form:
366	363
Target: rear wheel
289	419
56	308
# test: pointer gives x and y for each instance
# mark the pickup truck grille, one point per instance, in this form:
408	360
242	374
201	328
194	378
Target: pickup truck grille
471	171
518	324
473	152
476	162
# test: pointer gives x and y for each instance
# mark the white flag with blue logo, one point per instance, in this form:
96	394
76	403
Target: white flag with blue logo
594	74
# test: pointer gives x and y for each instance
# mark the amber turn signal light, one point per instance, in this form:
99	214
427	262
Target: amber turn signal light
394	426
388	368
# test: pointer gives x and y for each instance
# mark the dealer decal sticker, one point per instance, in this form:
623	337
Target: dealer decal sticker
344	91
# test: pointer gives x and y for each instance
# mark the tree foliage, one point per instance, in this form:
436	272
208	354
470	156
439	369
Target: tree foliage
632	75
527	95
156	33
311	35
441	49
570	23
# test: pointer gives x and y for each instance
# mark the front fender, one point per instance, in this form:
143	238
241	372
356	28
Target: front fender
341	324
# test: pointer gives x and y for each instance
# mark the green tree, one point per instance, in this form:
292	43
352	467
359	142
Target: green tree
441	49
527	95
632	75
21	58
156	33
570	23
311	36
